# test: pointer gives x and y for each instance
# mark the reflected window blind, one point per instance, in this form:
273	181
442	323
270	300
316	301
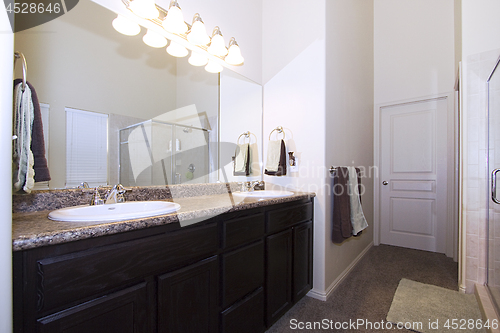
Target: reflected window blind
86	148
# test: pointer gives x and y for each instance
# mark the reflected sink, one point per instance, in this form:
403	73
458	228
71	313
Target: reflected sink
265	194
114	212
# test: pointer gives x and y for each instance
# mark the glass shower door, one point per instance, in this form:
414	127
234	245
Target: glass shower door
493	274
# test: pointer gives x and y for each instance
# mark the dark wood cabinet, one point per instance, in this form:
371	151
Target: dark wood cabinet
237	272
289	258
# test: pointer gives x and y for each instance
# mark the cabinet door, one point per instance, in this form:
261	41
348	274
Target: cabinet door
121	312
302	260
187	298
242	272
279	275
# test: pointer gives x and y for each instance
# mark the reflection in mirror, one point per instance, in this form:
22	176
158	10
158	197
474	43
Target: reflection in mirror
79	62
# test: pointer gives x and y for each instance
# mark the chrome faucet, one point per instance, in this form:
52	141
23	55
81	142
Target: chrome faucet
115	195
252	185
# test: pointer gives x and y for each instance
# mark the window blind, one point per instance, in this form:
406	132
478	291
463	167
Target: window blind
86	148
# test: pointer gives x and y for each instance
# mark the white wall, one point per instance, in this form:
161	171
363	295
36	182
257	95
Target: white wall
6	59
349	117
414	49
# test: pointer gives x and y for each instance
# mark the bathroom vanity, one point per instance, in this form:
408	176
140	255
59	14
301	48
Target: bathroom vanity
239	271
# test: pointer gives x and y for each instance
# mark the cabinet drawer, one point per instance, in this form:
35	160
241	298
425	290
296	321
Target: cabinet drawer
282	218
242	230
242	272
246	316
71	277
123	311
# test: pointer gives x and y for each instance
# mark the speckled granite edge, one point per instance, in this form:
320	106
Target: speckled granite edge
56	199
34	229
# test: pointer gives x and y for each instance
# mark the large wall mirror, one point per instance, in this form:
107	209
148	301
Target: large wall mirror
155	118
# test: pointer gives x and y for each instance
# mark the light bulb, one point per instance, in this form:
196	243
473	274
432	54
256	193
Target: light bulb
197	59
174	22
154	39
198	34
125	26
234	54
213	67
144	8
217	46
177	50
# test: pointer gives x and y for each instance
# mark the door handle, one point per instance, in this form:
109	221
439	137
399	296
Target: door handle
494	186
385	182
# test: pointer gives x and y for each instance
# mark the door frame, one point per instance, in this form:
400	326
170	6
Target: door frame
451	247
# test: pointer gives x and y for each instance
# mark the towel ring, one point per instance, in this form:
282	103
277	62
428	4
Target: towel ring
279	129
19	55
247	136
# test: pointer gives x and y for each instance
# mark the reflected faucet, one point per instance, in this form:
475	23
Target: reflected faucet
115	195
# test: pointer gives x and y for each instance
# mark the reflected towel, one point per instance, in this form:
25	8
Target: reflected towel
276	158
23	175
40	166
358	219
242	160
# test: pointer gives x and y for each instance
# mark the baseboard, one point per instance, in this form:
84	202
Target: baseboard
324	295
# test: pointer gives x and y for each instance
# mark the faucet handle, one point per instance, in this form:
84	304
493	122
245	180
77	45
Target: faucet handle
96	198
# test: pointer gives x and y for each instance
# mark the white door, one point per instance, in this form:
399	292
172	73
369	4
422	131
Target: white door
413	175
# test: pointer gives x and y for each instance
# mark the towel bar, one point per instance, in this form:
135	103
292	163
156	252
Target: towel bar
19	55
279	129
246	134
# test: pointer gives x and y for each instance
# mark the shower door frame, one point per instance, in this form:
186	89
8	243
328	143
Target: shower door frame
490	195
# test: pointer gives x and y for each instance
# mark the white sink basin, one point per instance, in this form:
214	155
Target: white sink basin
263	194
114	212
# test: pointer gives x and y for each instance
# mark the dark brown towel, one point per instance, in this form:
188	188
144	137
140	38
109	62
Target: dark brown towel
342	227
37	142
282	164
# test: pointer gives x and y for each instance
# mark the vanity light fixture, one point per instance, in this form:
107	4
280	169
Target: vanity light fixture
144	8
125	26
205	51
234	56
174	21
177	50
217	46
154	39
197	35
197	59
213	67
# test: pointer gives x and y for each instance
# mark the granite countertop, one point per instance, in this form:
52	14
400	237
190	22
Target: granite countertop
34	229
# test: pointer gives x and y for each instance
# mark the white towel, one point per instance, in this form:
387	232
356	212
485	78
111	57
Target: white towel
273	155
23	174
241	159
358	219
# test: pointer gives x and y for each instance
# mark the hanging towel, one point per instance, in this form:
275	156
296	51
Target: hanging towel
242	160
23	175
358	219
276	158
40	166
342	226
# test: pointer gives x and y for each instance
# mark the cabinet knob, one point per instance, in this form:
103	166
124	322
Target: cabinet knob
385	182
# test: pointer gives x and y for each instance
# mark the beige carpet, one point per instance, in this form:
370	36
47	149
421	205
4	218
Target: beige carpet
426	308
